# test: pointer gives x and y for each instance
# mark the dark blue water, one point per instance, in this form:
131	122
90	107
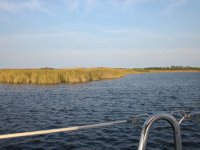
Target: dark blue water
38	107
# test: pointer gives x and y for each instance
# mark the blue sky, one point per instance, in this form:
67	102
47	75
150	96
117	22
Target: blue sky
94	33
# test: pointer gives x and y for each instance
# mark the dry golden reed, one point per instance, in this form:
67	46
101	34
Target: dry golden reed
76	75
54	76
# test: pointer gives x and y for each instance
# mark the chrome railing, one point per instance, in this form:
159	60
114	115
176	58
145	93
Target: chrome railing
148	124
135	120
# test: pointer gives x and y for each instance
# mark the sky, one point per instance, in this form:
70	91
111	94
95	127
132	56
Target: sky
99	33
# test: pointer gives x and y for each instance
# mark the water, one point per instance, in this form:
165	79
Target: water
38	107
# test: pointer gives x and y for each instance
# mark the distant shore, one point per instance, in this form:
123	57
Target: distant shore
76	75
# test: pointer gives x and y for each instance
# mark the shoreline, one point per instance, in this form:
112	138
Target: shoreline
74	75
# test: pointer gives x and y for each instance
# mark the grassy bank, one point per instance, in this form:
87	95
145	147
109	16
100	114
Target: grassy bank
77	75
54	76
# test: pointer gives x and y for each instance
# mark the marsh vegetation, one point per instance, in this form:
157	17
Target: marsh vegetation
75	75
54	76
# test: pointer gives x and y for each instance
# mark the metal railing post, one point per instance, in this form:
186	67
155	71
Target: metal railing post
148	123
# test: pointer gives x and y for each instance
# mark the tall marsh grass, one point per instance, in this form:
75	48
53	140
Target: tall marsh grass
76	75
54	76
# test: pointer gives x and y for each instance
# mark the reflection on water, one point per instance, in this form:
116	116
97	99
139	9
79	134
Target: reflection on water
37	107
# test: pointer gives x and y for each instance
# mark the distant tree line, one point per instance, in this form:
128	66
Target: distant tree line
174	68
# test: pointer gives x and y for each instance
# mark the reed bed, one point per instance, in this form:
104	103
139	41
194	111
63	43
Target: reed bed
55	76
76	75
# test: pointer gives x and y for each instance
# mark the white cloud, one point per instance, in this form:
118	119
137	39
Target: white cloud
82	6
173	5
72	5
16	6
85	6
89	5
124	5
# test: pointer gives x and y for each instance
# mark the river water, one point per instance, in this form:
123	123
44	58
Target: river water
38	107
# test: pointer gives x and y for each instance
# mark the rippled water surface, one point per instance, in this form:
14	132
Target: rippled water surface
38	107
